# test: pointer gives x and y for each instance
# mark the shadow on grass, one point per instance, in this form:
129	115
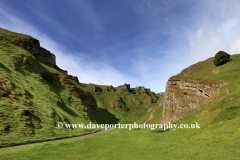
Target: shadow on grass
160	130
5	68
103	116
224	62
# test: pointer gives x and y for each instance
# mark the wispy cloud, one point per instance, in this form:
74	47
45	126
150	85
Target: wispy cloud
143	45
77	64
218	30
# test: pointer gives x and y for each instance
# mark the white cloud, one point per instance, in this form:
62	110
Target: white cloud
218	30
87	70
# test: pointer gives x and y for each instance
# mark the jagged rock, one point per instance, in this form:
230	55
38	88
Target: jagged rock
47	55
75	78
127	87
138	88
93	88
61	70
142	90
153	94
111	87
148	89
32	45
106	89
64	72
124	88
183	96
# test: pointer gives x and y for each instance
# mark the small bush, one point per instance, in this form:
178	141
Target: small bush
221	57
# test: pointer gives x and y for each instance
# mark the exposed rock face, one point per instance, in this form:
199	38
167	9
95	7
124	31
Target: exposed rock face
183	96
127	87
33	46
106	89
111	87
75	78
93	88
148	89
142	90
48	55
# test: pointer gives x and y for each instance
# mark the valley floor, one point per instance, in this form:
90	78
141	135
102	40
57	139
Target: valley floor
135	144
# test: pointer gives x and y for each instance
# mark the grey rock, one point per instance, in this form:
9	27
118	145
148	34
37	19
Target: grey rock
111	87
48	56
182	96
75	78
127	87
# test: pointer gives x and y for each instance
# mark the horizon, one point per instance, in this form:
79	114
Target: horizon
141	43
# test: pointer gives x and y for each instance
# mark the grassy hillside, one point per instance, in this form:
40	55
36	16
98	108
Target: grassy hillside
22	88
35	95
217	138
128	107
220	119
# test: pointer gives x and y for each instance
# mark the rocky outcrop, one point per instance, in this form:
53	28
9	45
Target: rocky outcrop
124	88
32	45
94	88
75	78
111	87
185	95
106	89
47	55
142	90
127	87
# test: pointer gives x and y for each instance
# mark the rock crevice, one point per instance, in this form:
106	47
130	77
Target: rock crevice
183	96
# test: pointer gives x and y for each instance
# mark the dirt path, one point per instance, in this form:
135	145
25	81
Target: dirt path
82	136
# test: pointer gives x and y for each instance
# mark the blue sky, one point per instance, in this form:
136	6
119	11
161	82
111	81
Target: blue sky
140	42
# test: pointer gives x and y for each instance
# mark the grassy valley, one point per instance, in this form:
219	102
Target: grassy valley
30	107
35	95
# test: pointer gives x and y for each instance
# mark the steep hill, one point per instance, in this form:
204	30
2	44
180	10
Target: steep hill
35	94
202	85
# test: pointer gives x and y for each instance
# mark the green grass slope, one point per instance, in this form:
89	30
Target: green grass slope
128	107
217	138
35	96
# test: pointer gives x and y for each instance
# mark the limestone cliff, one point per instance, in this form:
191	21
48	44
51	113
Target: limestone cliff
184	95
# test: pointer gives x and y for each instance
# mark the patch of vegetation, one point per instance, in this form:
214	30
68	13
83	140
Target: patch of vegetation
220	58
